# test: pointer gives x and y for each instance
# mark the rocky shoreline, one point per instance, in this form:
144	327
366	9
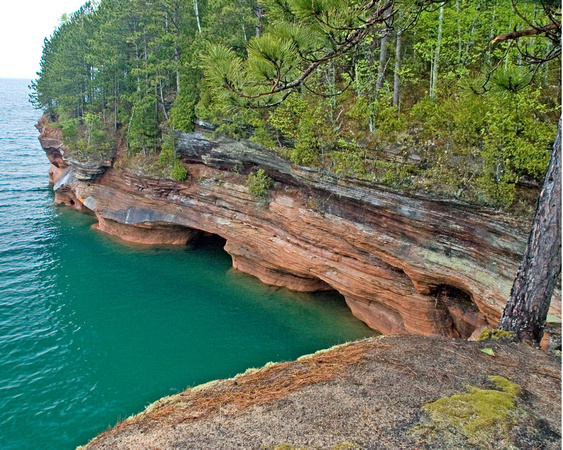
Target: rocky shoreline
370	394
404	263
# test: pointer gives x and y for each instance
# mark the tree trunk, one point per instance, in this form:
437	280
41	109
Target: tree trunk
175	19
491	37
436	59
470	36
527	307
115	101
196	11
146	62
397	79
260	16
382	61
177	64
244	32
330	80
459	40
162	100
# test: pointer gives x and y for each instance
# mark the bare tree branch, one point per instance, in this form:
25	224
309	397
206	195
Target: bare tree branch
528	32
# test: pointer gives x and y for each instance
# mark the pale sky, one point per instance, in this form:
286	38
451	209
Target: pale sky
23	25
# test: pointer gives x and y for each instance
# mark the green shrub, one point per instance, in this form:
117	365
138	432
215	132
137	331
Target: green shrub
303	123
390	124
142	130
258	184
178	172
168	159
347	160
89	139
70	129
182	114
490	140
516	143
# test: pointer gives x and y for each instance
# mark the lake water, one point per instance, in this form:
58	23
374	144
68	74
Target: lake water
93	329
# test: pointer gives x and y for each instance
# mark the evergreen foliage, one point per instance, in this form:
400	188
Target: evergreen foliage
258	184
411	94
168	159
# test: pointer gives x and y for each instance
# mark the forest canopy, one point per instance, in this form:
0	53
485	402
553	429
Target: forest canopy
416	95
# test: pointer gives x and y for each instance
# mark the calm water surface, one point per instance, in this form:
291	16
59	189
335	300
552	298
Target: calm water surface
92	330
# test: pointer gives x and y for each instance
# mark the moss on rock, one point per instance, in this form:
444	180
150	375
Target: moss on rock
484	417
496	335
346	446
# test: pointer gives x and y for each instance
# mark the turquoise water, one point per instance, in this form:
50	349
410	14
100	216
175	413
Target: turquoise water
92	329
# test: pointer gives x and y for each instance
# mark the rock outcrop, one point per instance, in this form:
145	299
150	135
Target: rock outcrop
404	263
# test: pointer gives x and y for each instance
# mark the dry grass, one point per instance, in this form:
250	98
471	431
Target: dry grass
262	386
252	388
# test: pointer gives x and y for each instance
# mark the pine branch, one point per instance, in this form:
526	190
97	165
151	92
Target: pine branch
351	41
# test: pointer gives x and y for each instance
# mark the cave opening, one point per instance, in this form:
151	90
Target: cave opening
334	300
305	287
204	240
465	314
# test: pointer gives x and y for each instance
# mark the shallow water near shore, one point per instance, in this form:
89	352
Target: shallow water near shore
93	329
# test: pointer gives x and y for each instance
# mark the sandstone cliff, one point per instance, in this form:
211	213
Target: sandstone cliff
404	263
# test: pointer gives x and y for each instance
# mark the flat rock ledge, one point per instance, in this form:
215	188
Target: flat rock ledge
367	394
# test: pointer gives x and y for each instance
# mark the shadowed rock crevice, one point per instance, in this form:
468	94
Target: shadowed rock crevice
464	314
208	240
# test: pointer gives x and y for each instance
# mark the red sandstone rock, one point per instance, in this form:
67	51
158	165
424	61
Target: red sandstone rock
149	233
404	264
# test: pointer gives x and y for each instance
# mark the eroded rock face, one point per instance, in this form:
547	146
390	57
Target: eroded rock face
59	157
405	264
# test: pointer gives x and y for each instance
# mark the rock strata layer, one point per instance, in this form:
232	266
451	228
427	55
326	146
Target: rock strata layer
404	263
